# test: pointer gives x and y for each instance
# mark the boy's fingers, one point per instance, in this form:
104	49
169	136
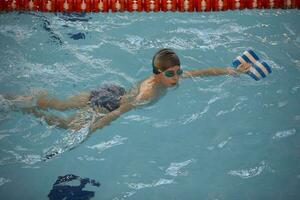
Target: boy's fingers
231	71
244	67
247	67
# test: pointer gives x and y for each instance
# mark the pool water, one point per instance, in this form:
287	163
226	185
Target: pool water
211	138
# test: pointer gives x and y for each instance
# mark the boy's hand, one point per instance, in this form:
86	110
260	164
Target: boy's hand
231	71
243	68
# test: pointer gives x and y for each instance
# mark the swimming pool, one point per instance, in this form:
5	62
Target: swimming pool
210	138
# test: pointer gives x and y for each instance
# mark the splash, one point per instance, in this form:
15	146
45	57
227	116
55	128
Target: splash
70	140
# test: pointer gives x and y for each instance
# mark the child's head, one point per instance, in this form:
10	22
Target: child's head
166	66
164	59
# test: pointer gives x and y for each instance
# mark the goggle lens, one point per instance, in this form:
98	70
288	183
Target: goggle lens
170	74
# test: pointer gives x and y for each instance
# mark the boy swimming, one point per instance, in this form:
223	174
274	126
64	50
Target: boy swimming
107	103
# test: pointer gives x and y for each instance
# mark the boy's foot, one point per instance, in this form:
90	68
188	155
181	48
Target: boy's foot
18	102
5	104
14	103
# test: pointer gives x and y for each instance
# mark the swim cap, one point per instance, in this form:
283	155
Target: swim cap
164	59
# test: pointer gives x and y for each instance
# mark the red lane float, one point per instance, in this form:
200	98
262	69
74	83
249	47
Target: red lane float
203	5
31	5
186	5
143	5
117	5
65	5
48	5
134	5
82	5
151	5
291	3
220	5
169	5
254	4
11	5
237	4
270	4
100	6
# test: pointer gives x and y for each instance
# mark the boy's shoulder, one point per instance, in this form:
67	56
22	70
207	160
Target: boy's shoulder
146	89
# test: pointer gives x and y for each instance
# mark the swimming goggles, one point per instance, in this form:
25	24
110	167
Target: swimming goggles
170	74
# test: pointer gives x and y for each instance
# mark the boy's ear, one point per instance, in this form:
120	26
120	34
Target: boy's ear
155	70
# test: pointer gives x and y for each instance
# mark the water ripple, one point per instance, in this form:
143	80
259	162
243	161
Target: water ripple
30	160
249	173
3	136
284	134
138	186
189	119
175	168
16	32
137	118
4	180
164	123
197	115
223	143
238	106
117	140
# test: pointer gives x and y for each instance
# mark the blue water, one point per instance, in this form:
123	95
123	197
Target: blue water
214	138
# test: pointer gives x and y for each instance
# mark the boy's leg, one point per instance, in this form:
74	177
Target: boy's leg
75	122
76	101
16	102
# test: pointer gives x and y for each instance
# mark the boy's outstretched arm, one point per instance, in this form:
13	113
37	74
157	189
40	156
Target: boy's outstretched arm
214	71
54	120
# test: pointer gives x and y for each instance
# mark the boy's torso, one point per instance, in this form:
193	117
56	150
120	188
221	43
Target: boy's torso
146	92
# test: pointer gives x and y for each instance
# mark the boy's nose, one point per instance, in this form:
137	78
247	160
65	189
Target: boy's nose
176	77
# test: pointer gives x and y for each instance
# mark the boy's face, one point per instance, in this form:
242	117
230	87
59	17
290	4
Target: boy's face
170	77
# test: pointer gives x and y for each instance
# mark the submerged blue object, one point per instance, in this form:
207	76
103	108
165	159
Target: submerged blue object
77	36
258	69
107	96
61	190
